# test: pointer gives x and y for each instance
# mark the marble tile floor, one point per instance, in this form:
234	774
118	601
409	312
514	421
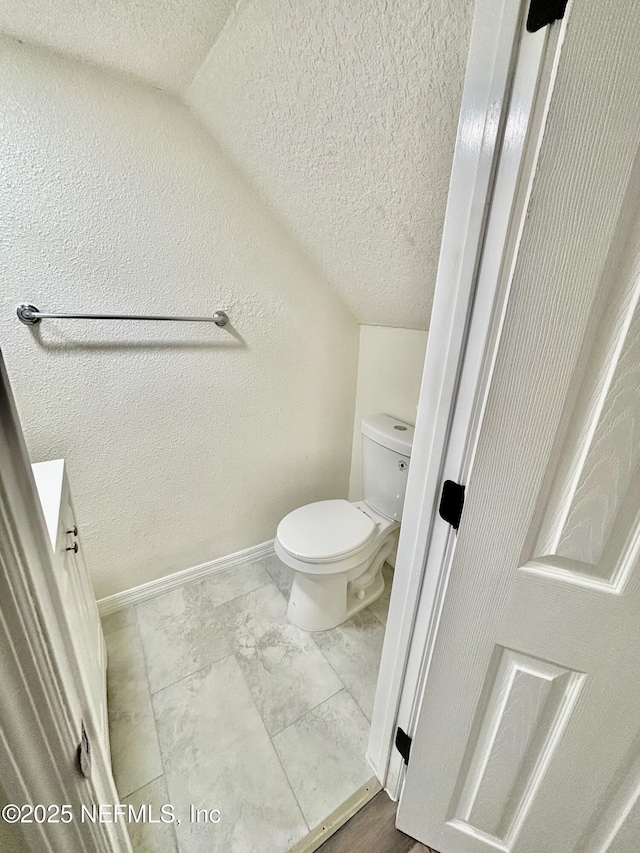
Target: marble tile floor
216	701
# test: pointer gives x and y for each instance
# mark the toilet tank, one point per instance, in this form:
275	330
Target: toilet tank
386	449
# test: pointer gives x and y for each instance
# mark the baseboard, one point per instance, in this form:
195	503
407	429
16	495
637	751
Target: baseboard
136	594
338	818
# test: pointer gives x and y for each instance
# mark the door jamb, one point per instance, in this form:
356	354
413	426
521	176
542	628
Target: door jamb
493	167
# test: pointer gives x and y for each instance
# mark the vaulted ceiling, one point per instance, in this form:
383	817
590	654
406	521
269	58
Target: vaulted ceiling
161	41
342	114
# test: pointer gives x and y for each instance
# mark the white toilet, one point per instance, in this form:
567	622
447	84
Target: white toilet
336	548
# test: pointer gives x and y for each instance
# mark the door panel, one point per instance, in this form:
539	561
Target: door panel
528	704
595	490
527	739
82	611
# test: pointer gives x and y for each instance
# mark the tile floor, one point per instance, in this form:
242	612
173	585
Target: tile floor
217	701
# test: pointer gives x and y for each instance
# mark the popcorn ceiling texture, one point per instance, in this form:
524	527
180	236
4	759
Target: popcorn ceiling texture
313	200
345	117
162	42
184	442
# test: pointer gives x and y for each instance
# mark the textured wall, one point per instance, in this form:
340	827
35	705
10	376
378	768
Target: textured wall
184	442
317	197
345	116
389	372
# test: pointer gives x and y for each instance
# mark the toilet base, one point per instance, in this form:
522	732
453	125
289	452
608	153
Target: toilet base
312	611
321	602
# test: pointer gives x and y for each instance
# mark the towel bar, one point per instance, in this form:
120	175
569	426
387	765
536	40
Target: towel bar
29	315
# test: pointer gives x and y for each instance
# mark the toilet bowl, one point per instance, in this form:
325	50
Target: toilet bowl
337	548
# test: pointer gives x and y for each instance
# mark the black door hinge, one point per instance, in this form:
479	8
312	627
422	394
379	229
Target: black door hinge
403	744
543	12
451	503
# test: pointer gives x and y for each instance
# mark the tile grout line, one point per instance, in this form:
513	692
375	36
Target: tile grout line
207	665
204	580
310	634
373	613
155	719
225	657
360	706
215	607
110	709
264	725
342	682
315	708
343	689
161	776
176	580
366	716
284	592
347	689
266	730
270	739
286	776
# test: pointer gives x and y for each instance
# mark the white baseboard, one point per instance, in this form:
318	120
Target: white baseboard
119	600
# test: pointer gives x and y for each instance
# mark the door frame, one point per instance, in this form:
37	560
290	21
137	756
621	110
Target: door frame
498	139
39	670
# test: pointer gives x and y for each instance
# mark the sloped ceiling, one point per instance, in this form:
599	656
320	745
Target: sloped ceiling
162	41
343	115
345	118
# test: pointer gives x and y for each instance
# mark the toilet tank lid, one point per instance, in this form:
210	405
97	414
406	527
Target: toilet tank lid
389	432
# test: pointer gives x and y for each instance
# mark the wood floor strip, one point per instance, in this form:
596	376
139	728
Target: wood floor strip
373	828
338	818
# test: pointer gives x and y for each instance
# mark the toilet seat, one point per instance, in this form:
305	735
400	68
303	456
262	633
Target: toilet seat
325	531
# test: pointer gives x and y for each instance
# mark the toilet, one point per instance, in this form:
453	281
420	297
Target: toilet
337	548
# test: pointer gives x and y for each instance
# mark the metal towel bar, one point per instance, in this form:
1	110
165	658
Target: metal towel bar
29	315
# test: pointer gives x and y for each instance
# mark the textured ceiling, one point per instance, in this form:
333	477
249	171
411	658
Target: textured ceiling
343	114
162	41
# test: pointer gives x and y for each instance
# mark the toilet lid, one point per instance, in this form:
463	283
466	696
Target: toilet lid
325	530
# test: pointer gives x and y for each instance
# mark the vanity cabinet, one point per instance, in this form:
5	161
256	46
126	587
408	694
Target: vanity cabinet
73	581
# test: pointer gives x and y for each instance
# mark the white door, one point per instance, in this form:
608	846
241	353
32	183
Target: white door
53	757
528	737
